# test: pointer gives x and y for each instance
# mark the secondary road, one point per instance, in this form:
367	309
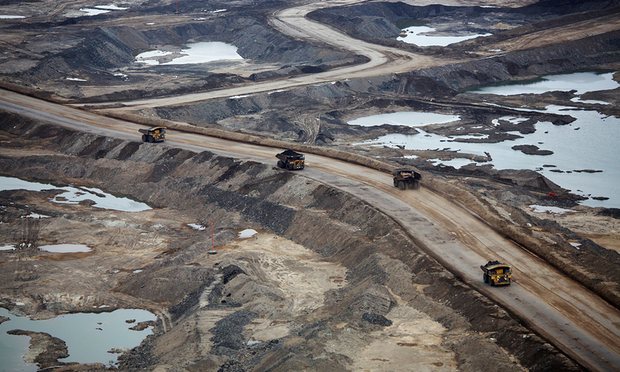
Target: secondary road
382	60
569	315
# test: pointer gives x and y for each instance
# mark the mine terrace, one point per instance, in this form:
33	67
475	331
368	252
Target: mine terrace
444	196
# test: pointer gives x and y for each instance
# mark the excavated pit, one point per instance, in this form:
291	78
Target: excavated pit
386	304
265	302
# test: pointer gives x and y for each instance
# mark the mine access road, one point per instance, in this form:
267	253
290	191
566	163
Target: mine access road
563	311
568	315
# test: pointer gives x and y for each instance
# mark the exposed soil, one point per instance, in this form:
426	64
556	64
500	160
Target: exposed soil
329	282
306	285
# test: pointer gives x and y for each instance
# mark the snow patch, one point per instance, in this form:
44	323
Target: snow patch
247	233
547	209
65	248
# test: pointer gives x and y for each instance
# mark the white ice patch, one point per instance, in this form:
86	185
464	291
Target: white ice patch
470	136
7	247
150	57
547	209
202	52
8	16
36	216
206	52
511	119
196	226
419	35
75	79
110	7
457	163
588	101
247	233
93	11
406	118
65	248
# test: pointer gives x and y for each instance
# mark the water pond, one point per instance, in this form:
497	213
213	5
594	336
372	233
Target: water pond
408	118
582	82
194	53
89	336
73	195
585	152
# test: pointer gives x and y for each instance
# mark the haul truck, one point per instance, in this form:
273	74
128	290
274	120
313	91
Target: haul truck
406	179
155	134
496	273
291	160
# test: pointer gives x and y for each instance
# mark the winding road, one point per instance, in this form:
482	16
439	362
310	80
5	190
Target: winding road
382	60
568	315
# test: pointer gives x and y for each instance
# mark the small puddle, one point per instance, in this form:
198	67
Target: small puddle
89	336
73	195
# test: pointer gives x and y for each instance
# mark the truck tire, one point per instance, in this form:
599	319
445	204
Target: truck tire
280	164
416	185
485	277
401	185
144	138
395	183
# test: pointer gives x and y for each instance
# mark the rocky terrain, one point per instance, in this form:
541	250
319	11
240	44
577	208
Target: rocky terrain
329	282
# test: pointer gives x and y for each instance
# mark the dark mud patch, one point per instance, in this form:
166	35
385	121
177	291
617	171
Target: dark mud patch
532	150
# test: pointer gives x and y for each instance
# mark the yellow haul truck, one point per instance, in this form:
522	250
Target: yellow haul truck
155	134
406	179
291	160
496	273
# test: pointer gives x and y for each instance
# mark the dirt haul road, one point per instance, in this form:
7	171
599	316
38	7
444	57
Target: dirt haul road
382	60
566	313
